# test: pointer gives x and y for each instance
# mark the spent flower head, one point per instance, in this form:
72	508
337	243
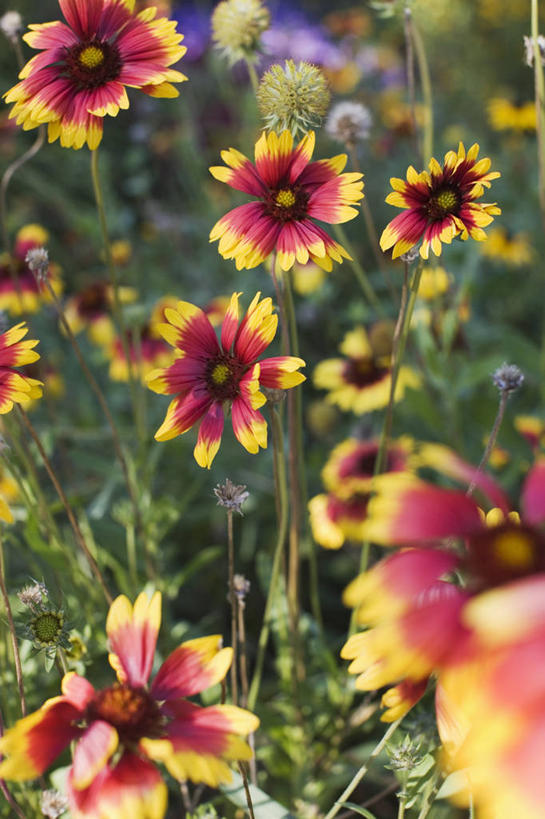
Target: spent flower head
231	496
508	378
53	804
241	586
349	122
33	596
37	259
11	25
293	97
529	49
237	26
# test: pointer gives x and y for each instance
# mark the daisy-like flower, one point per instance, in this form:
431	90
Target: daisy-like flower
474	636
85	64
210	376
14	352
292	192
360	382
121	730
440	204
20	291
91	309
146	348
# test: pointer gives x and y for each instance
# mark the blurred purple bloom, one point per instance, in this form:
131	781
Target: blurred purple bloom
194	20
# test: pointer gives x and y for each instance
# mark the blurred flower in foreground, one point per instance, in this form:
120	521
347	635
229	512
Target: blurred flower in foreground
83	69
440	204
506	116
237	26
531	428
471	614
292	97
210	377
118	731
360	382
512	248
17	277
14	386
91	308
292	192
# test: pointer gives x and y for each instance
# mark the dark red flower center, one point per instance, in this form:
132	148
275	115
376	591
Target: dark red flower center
132	712
443	202
93	302
223	375
363	372
355	508
287	203
506	552
17	267
93	63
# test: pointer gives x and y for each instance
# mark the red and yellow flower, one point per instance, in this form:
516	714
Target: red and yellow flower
120	731
20	290
440	204
361	381
9	490
291	193
91	309
15	387
211	376
146	348
472	615
85	65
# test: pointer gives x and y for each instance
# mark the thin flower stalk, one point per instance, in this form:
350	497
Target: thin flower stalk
359	272
409	68
25	422
427	96
233	604
281	486
13	635
244	776
351	787
116	438
539	82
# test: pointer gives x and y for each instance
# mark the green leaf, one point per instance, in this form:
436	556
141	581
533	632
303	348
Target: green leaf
264	807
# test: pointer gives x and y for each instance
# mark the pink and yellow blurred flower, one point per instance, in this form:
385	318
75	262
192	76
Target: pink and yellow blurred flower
361	381
440	204
146	348
15	387
91	309
20	290
291	193
121	730
209	377
84	66
532	429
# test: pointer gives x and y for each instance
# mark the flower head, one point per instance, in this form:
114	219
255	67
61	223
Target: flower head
85	64
349	122
513	249
237	26
293	97
121	730
291	193
21	291
360	382
440	204
14	352
91	309
507	116
210	376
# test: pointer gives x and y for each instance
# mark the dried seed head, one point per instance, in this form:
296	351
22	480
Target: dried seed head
529	49
241	586
349	122
231	496
237	26
11	25
508	378
38	261
293	97
274	395
33	596
411	254
53	804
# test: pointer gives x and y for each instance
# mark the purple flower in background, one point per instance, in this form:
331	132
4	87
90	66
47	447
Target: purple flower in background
194	19
311	43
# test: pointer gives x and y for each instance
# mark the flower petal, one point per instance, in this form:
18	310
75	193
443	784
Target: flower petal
191	668
132	631
92	753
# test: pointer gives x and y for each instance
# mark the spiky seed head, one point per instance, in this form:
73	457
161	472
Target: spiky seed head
237	26
231	496
508	378
293	97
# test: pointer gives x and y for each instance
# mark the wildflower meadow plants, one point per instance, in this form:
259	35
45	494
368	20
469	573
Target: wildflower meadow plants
351	595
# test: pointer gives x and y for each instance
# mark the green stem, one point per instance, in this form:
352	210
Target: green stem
430	794
358	270
233	604
254	79
12	632
425	80
351	787
282	492
540	105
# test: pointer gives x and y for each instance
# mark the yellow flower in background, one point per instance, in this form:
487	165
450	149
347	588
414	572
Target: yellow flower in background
504	115
434	282
9	491
512	248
